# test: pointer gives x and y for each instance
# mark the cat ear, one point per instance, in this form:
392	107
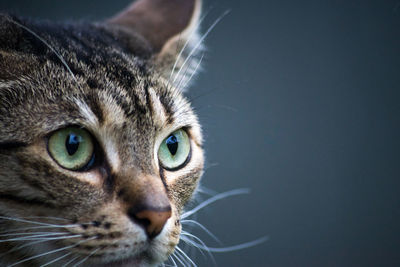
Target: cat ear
170	28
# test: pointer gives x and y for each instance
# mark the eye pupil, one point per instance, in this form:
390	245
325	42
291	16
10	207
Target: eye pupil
72	143
172	144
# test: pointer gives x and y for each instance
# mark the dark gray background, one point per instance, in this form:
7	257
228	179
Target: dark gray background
299	102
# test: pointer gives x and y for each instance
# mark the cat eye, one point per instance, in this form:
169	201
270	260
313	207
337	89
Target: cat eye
174	150
72	148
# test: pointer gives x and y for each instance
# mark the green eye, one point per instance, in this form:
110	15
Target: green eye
174	150
72	148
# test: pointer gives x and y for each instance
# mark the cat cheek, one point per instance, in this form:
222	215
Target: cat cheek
94	177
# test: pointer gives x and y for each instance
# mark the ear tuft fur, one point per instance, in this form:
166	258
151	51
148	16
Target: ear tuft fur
171	29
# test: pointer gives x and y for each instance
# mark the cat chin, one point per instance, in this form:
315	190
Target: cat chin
124	263
136	261
144	259
154	255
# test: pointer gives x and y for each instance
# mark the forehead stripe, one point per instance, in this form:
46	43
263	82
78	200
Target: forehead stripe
93	103
87	112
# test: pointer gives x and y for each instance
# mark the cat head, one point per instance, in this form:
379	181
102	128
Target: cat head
99	149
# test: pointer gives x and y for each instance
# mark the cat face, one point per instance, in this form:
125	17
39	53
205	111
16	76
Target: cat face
99	150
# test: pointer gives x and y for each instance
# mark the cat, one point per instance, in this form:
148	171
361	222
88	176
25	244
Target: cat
100	151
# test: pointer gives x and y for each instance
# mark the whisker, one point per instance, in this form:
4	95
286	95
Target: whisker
181	88
87	257
194	98
195	245
215	198
31	233
210	165
44	217
183	77
186	256
50	252
178	259
39	238
234	248
184	233
173	261
180	52
56	259
21	246
191	76
29	221
41	227
204	190
70	261
192	244
200	42
186	43
203	228
48	45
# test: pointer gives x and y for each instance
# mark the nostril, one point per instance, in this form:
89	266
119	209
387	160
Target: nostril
151	219
143	222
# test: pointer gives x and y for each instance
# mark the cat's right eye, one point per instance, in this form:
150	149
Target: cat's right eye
72	148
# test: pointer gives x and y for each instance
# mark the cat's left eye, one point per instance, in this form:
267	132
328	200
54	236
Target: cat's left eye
72	148
174	150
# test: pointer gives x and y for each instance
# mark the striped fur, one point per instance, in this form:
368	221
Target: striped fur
113	83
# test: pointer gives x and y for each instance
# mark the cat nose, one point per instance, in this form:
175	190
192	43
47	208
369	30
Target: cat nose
147	202
151	219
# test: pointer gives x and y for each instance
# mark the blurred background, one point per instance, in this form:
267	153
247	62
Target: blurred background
300	103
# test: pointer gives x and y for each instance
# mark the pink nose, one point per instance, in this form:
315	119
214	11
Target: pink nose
152	220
